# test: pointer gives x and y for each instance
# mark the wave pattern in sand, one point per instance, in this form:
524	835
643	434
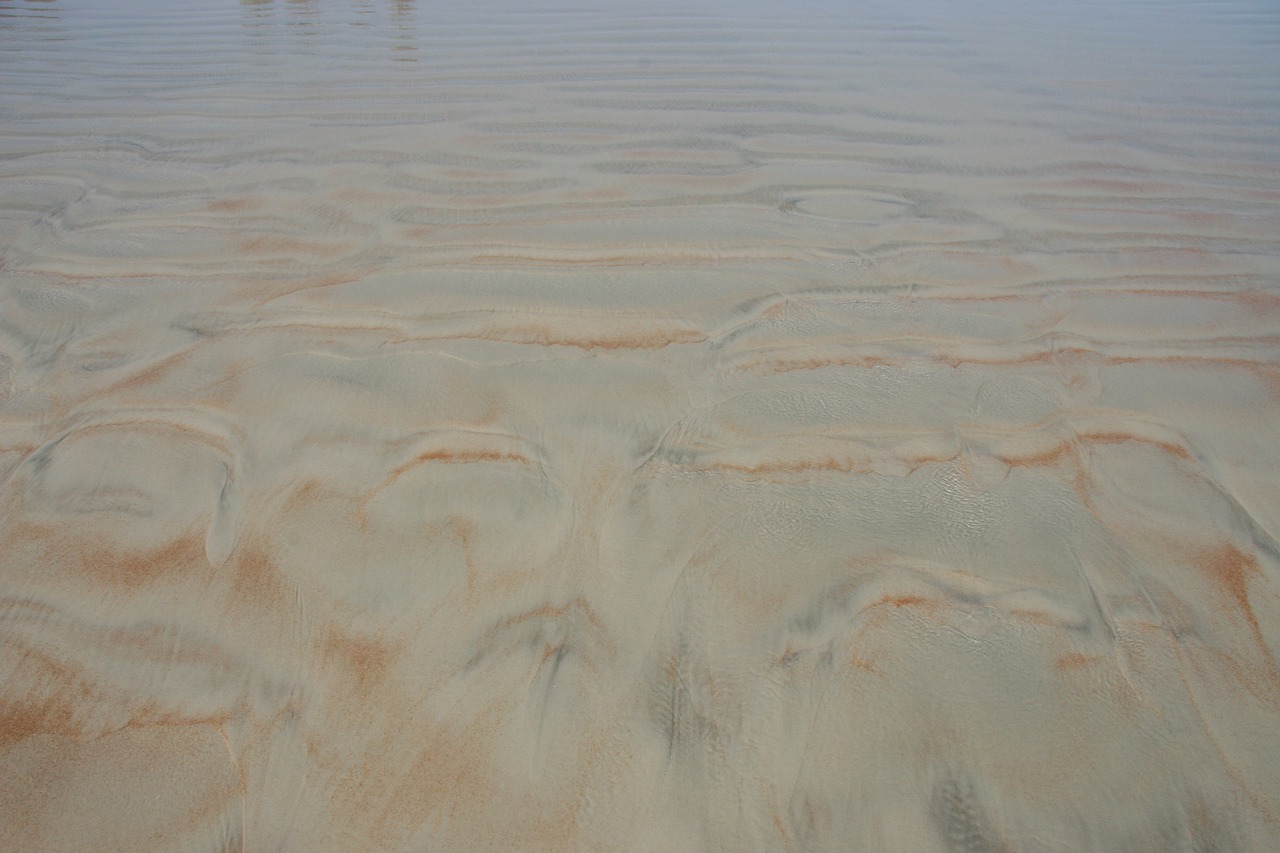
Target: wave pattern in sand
713	428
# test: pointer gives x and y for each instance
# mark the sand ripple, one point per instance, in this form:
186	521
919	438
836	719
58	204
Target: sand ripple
639	429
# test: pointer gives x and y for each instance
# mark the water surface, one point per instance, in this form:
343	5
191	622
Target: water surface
790	427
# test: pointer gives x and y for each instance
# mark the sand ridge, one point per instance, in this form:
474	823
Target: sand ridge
638	428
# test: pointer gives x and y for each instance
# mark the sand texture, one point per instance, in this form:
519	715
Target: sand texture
844	427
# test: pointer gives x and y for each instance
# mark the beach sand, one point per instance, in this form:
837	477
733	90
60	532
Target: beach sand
639	428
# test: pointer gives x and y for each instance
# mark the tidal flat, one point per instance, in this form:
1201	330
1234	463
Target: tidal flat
639	426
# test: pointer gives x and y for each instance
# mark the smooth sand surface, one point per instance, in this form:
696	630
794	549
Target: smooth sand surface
846	427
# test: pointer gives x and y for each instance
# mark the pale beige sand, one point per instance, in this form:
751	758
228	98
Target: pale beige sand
639	430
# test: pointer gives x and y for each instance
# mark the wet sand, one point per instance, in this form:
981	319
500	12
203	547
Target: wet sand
639	429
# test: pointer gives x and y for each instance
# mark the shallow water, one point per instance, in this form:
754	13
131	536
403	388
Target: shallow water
636	427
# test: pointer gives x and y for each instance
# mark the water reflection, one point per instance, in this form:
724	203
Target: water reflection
362	7
303	17
393	21
35	19
403	15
